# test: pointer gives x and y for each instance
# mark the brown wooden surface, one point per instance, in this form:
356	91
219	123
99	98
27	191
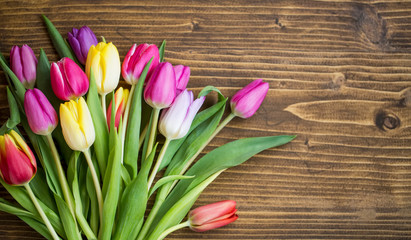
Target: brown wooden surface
340	78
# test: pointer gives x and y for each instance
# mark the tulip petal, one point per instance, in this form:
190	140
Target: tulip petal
71	129
110	65
214	225
16	63
212	211
192	111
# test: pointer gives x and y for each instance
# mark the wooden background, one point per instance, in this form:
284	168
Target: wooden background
340	78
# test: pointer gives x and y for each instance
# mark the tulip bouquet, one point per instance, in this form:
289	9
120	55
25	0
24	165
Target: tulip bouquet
97	159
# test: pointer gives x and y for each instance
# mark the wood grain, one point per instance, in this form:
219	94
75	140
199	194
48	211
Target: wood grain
340	78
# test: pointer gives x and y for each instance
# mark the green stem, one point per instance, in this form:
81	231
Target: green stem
96	184
126	113
216	131
61	175
159	159
41	212
153	212
103	105
142	136
174	228
153	131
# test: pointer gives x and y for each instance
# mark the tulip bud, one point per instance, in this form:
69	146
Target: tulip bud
41	116
246	101
23	63
161	87
17	162
120	97
104	60
182	76
80	41
176	120
212	216
136	59
68	81
77	125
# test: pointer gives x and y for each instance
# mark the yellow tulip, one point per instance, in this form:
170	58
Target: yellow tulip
77	125
104	60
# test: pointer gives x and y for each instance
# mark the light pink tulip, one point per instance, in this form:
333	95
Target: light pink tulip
247	101
40	113
212	216
23	63
68	81
136	59
161	87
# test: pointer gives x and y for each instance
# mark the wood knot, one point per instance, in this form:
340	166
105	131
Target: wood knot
195	25
338	80
387	121
406	97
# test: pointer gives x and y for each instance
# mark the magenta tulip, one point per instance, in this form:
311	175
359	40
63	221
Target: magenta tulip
23	63
136	59
68	81
246	101
182	76
212	216
176	120
161	87
80	41
41	116
17	162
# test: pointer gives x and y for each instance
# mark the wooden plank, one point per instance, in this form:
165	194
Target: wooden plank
340	78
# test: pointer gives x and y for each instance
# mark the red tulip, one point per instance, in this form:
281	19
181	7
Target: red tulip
212	216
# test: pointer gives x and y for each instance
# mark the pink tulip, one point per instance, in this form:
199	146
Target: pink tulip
161	87
136	59
17	162
182	76
246	101
40	113
120	97
176	120
23	63
68	81
212	216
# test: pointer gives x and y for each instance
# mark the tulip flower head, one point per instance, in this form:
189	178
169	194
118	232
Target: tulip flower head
41	116
104	61
17	162
161	87
247	101
176	120
120	97
136	59
23	63
80	41
68	81
182	76
77	124
212	216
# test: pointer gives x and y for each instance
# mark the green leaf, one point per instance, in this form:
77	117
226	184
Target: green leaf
40	188
179	210
58	41
100	145
14	110
132	137
69	223
161	50
134	202
165	180
17	85
93	205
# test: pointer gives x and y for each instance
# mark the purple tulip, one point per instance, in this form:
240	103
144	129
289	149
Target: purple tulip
80	41
24	64
136	59
246	101
182	76
40	113
176	120
68	81
161	87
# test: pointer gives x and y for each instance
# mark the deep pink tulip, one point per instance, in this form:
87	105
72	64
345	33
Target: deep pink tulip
80	41
23	63
176	120
136	59
68	81
161	87
40	113
182	76
246	101
17	162
212	216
